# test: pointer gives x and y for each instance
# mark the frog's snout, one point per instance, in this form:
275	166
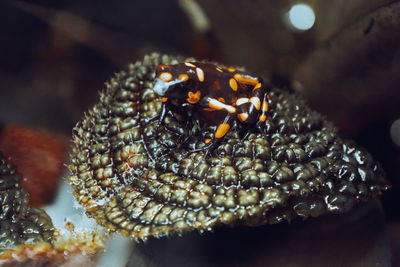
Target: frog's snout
160	87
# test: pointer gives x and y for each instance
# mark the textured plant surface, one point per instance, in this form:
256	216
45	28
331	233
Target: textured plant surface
144	184
19	224
27	235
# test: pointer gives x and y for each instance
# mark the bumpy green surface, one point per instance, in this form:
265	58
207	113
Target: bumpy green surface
19	224
142	184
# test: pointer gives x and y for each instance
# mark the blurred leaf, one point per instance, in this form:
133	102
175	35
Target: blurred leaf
354	76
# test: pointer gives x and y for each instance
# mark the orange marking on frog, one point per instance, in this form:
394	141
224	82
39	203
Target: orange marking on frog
200	74
256	102
233	84
183	77
264	107
222	129
166	76
193	98
262	117
244	80
243	116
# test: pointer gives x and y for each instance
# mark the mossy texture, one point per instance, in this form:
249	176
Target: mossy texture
19	224
144	184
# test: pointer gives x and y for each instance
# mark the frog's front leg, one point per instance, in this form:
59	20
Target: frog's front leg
211	104
160	115
166	107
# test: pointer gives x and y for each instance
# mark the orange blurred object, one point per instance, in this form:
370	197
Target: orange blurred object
38	157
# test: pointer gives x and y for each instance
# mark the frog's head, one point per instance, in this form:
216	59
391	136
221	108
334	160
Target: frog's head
172	80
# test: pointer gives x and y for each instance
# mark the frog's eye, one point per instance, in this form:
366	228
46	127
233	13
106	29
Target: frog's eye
165	76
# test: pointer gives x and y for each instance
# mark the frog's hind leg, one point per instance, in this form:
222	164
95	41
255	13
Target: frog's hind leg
252	111
247	120
263	113
219	133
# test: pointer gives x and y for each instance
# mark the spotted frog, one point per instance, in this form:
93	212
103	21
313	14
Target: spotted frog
209	87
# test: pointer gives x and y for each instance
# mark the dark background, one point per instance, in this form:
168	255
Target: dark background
56	55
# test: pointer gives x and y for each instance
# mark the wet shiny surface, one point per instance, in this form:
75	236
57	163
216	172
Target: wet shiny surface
19	224
356	238
143	184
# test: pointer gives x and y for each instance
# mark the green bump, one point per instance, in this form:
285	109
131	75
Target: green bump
19	224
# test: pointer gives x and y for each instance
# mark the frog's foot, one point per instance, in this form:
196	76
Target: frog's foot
261	128
246	135
165	109
208	148
152	119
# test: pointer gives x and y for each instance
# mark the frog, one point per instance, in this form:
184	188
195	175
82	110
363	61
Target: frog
209	87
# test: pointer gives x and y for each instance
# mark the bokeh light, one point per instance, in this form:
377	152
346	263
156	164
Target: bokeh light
395	132
301	17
